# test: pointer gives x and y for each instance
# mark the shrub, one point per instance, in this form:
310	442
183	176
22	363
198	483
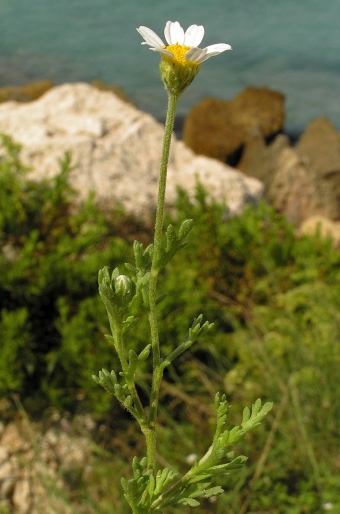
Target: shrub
49	261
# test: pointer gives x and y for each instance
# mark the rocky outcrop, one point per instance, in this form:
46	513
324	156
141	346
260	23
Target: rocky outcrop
319	149
301	181
221	129
284	176
116	150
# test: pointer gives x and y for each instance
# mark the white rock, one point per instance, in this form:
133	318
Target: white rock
13	440
6	470
3	453
72	452
117	150
21	496
322	225
50	438
6	488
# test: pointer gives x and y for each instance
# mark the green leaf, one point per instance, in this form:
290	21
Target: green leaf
131	268
213	491
185	228
246	415
171	240
161	297
144	354
189	501
129	323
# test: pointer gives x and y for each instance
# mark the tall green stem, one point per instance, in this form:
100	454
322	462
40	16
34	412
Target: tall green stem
169	125
157	372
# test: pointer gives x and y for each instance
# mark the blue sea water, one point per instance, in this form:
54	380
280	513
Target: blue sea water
289	45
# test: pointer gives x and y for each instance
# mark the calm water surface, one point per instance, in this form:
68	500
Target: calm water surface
289	45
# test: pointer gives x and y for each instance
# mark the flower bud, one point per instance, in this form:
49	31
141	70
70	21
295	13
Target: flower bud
124	288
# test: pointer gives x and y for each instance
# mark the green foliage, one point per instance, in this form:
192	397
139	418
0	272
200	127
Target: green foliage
291	348
14	354
147	493
48	299
274	299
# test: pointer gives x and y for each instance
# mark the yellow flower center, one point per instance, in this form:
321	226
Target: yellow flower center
179	52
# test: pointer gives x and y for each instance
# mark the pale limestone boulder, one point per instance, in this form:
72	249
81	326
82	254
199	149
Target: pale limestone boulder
116	149
6	470
324	226
21	496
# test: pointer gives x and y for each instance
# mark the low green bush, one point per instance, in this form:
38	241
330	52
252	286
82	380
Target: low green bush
49	261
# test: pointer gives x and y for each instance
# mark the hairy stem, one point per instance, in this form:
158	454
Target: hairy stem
157	371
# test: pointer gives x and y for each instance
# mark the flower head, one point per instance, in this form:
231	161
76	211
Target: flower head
181	57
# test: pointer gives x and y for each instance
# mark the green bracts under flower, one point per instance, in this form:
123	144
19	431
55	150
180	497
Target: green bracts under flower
176	76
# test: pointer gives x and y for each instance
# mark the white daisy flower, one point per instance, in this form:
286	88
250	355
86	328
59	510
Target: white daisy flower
181	57
182	46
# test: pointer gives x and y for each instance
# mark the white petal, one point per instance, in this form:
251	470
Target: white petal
167	32
214	50
150	37
218	48
195	54
194	35
174	33
163	51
